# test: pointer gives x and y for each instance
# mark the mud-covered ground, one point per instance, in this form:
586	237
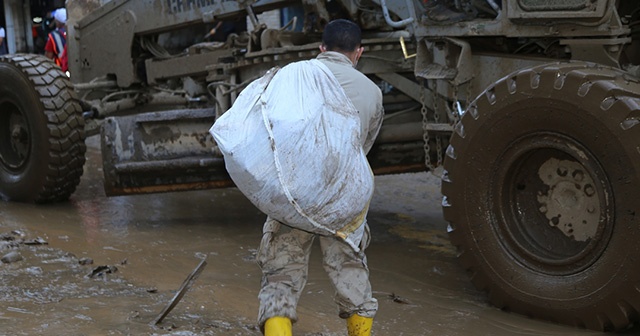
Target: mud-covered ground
143	247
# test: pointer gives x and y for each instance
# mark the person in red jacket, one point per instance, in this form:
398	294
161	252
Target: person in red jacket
56	47
3	44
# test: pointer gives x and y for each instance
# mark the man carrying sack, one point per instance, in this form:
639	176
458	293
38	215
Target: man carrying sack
320	118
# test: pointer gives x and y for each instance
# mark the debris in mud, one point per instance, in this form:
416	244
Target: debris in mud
50	289
102	270
169	327
219	325
9	244
186	284
18	310
437	270
36	241
13	240
11	257
397	299
16	237
33	270
85	261
18	233
10	240
7	237
252	255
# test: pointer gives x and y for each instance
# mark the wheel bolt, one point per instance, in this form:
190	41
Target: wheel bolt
562	171
578	175
589	190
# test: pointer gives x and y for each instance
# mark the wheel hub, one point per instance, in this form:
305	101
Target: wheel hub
553	204
18	133
14	147
570	204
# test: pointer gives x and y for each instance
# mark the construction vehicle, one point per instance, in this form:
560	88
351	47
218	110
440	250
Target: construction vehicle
527	109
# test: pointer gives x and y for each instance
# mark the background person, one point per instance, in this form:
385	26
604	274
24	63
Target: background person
55	48
3	42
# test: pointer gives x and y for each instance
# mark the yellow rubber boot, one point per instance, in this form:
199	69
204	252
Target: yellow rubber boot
359	326
277	326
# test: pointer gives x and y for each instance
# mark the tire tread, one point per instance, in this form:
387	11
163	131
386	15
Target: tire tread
65	124
605	83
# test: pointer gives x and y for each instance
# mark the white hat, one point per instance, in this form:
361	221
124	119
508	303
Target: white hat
60	14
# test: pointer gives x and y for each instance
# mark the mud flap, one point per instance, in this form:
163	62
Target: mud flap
161	152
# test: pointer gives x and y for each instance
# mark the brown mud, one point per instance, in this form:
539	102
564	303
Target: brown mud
152	242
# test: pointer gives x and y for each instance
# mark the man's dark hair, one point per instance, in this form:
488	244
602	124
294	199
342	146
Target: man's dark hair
341	35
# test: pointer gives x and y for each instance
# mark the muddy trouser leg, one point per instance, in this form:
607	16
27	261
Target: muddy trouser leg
349	273
284	258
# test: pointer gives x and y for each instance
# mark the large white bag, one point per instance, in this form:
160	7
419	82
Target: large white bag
291	143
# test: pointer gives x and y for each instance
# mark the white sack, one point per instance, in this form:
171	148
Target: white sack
291	143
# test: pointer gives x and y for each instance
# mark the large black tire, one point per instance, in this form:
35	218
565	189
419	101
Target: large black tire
41	131
541	188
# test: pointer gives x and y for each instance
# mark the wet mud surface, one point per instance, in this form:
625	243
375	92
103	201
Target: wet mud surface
143	247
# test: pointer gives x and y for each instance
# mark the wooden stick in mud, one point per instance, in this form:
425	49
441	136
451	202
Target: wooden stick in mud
183	289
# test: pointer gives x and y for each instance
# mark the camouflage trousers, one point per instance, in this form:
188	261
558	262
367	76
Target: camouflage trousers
284	257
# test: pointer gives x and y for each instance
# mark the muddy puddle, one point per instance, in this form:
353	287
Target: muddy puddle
150	243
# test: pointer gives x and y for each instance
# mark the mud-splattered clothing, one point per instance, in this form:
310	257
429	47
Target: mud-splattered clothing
284	259
364	94
284	251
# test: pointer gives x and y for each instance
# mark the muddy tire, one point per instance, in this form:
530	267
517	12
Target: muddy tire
41	131
541	189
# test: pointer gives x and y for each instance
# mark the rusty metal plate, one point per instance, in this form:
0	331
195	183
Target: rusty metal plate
161	152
